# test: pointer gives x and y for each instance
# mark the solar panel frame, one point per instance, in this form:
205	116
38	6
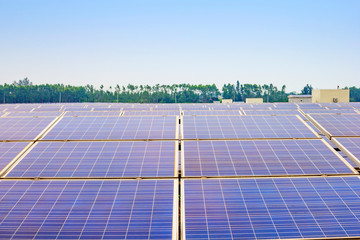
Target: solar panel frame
254	131
72	209
110	128
254	209
85	160
219	158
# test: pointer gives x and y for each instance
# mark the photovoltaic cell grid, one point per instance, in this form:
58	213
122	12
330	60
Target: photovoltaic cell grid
106	128
44	108
339	125
77	109
86	209
33	114
93	114
285	106
8	151
329	111
233	127
118	109
309	106
137	108
336	105
22	128
255	107
194	107
98	159
166	107
272	112
152	113
272	208
212	113
20	107
252	158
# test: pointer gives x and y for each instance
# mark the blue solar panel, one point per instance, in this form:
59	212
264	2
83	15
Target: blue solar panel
339	125
274	157
329	111
273	112
288	106
194	107
20	107
87	209
33	114
233	127
103	128
212	113
336	105
310	106
98	159
18	128
8	151
167	107
93	114
271	208
76	108
48	107
153	113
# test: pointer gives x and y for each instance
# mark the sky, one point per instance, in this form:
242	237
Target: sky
289	42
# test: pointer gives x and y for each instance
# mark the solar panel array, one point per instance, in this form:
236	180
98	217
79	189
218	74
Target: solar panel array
239	127
271	208
99	128
98	159
17	128
338	125
121	209
121	171
254	158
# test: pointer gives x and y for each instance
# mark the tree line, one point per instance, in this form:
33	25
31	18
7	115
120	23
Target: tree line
23	91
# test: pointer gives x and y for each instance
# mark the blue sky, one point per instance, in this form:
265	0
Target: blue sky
148	42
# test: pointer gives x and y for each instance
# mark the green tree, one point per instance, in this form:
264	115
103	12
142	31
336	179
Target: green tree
307	90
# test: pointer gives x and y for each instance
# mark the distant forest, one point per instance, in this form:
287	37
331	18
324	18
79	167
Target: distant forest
23	91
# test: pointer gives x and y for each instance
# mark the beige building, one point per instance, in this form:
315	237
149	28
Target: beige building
226	100
300	98
330	95
254	100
